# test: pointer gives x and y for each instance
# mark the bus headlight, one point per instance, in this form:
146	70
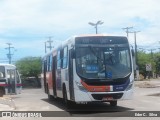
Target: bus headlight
80	86
129	86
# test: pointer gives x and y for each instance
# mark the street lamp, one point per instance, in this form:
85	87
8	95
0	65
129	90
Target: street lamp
96	24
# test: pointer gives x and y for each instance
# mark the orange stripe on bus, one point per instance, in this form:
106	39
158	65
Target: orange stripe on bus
96	88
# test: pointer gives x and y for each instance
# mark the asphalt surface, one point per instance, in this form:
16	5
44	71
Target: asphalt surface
146	98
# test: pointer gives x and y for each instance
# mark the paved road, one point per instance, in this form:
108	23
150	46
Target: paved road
36	100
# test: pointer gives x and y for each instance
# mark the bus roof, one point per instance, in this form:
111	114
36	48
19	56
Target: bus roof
7	65
90	35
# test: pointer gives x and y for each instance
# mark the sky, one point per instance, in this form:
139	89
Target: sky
28	24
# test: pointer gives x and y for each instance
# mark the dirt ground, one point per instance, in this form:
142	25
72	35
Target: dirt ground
148	83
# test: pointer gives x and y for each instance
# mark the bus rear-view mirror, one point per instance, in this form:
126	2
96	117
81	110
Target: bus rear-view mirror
72	53
133	54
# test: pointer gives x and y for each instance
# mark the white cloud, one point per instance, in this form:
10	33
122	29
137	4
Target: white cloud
63	18
72	14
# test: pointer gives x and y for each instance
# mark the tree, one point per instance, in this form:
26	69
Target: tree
157	63
29	67
148	58
143	59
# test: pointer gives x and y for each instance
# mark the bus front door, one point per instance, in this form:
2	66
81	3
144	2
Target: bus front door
54	76
71	86
11	81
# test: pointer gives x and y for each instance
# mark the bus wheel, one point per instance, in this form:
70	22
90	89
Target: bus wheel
50	97
2	92
113	103
65	100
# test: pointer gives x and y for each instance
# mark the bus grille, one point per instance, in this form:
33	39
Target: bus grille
113	95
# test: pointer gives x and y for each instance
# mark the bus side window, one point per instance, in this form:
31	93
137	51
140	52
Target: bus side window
58	60
65	57
50	63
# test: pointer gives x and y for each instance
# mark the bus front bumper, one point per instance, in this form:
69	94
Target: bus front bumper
84	96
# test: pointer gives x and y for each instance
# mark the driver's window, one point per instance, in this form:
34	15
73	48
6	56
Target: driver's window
124	58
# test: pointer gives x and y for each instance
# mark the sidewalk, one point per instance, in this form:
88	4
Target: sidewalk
5	107
6	104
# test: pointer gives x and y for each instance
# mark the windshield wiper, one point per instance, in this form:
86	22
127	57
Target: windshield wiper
126	76
101	60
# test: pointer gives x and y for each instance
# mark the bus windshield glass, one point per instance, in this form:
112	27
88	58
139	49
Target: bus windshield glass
103	62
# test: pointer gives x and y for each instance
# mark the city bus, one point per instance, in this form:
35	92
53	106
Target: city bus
89	68
10	81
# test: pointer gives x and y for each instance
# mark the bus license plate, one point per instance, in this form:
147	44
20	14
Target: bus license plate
107	98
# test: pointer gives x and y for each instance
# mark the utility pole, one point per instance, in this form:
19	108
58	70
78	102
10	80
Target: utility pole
9	55
50	44
127	30
136	58
135	43
149	73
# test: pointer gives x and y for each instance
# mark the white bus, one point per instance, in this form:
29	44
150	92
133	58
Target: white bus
89	68
10	81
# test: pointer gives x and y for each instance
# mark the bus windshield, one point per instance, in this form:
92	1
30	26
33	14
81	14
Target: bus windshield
101	62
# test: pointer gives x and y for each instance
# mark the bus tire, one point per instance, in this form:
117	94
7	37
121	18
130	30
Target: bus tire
2	91
113	103
50	97
65	100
